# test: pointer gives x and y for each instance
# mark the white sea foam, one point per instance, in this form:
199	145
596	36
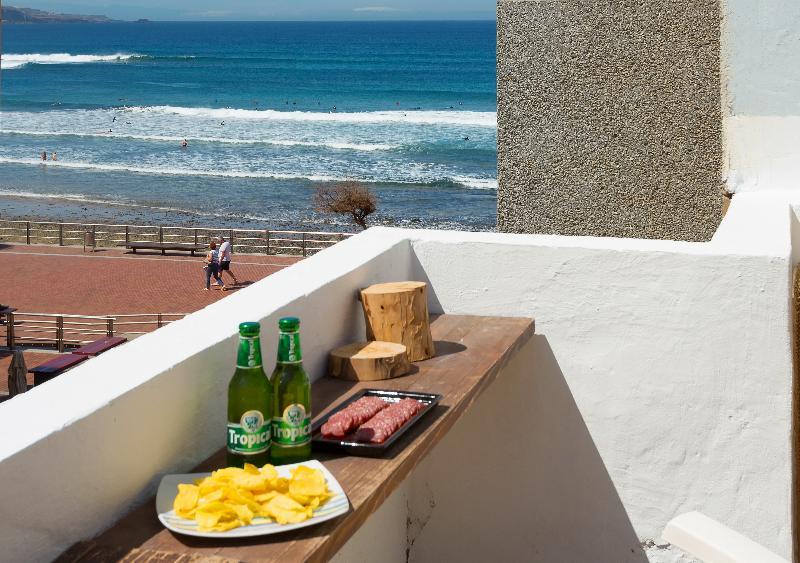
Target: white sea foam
462	118
466	181
367	147
81	198
10	61
476	183
163	171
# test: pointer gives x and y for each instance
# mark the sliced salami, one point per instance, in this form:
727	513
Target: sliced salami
388	421
348	419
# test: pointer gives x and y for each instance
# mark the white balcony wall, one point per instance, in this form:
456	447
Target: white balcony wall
659	382
80	451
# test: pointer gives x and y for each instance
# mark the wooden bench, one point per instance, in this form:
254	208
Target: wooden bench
100	345
58	365
164	246
470	352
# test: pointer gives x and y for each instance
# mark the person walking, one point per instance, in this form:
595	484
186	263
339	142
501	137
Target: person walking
225	253
212	267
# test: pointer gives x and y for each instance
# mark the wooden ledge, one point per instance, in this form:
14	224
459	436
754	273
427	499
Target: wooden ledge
470	350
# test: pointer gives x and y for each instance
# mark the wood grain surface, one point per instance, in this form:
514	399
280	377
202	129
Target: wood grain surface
471	351
368	361
398	312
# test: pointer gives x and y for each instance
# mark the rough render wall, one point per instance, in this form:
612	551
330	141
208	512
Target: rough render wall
609	117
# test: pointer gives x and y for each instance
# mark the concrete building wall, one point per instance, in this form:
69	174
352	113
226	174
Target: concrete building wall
609	118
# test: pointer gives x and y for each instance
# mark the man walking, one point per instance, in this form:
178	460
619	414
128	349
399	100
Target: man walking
225	259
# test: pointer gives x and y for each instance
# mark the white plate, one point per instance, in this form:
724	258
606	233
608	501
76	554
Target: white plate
168	490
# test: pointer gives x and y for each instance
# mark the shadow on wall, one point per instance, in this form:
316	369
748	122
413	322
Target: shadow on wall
519	479
417	273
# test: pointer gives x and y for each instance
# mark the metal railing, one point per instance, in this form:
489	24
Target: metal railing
63	330
246	241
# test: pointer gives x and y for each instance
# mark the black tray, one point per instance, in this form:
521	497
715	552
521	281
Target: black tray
365	449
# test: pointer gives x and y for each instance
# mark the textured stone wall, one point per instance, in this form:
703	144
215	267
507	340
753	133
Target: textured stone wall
609	117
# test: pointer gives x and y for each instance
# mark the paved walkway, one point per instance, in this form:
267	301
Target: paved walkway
53	279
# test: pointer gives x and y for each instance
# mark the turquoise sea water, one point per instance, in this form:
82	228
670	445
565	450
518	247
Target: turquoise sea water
269	110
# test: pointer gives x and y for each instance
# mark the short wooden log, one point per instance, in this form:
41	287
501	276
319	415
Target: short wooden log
398	312
17	371
369	361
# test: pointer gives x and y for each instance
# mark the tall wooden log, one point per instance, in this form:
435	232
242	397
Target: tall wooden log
17	371
398	312
369	361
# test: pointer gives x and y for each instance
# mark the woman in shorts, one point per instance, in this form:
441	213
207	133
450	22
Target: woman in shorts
212	267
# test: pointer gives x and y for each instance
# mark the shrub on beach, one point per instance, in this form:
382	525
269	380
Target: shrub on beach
350	198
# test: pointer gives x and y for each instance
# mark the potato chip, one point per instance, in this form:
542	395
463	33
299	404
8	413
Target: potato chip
233	497
286	510
186	501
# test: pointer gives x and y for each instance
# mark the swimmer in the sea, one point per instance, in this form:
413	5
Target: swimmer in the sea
54	156
184	143
44	155
466	138
114	119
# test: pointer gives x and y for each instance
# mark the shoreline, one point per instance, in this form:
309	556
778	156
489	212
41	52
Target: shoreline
65	210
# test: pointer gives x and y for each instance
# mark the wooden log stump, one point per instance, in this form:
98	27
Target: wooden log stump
17	371
369	361
398	312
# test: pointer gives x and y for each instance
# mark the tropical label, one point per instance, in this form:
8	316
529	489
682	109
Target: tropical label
293	428
250	436
289	348
249	355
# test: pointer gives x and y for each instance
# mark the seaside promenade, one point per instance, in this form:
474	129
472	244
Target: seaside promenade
53	279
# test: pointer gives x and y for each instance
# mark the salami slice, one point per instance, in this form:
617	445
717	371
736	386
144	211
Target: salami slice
351	417
388	421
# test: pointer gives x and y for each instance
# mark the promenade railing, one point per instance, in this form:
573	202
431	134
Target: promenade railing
63	330
246	241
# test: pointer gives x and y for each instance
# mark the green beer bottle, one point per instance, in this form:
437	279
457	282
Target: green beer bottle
291	395
249	403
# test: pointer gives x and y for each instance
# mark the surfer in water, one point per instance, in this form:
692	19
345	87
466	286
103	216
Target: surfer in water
184	144
44	155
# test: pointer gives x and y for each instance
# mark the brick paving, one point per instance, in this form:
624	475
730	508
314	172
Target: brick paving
53	279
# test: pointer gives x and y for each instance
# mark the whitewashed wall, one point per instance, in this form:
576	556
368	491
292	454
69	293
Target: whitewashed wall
80	451
761	55
659	382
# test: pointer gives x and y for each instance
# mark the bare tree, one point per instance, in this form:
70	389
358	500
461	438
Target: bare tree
347	198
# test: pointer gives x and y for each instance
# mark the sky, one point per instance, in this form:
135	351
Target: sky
246	10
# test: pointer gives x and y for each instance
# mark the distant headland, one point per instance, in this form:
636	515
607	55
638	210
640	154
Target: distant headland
10	14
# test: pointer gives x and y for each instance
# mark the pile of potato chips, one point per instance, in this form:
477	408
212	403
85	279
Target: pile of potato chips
232	497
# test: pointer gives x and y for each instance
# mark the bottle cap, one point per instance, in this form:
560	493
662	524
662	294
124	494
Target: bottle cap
249	329
289	324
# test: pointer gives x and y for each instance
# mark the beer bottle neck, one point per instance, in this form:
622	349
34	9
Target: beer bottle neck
289	348
249	356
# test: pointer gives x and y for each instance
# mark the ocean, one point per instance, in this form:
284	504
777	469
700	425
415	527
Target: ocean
270	111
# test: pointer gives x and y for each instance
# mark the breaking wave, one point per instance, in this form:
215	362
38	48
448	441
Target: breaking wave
449	181
463	118
17	60
368	147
